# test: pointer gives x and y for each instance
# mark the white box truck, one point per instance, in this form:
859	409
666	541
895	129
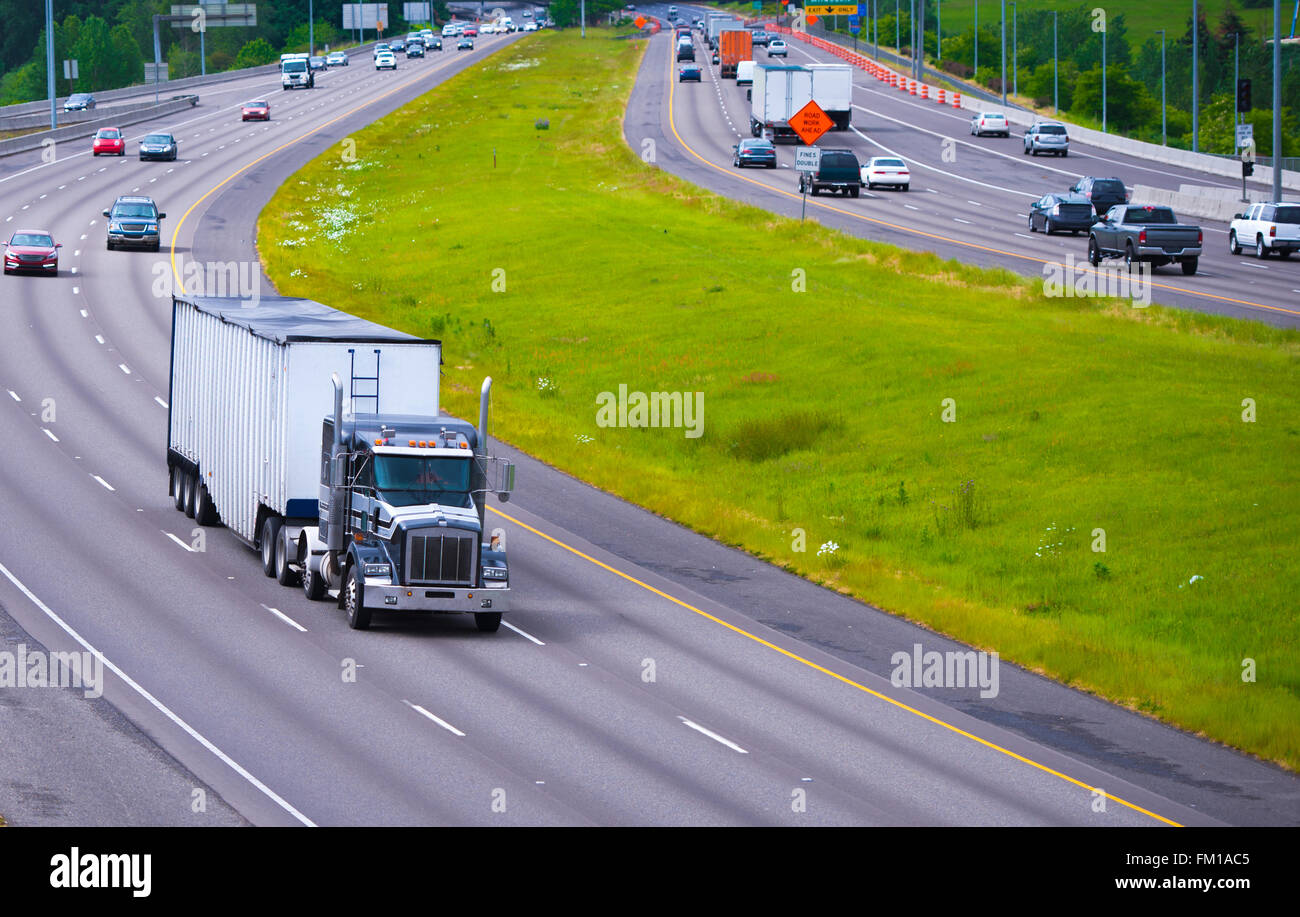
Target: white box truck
832	89
717	24
316	437
777	94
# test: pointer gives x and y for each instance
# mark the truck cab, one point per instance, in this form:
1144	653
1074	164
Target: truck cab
403	518
295	72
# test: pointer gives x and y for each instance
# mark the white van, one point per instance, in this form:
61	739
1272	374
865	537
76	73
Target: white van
745	73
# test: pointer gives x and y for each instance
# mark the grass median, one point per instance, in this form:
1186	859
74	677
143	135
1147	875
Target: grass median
1075	483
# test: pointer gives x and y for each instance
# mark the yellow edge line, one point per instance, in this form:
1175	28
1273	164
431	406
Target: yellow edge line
672	123
808	662
826	671
180	283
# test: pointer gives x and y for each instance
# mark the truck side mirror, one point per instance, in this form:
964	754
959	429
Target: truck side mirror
507	481
104	212
1238	216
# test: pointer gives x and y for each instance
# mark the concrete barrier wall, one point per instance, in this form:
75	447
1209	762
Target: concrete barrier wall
139	113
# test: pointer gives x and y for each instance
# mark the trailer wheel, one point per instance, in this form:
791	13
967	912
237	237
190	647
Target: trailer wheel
284	574
178	488
191	485
353	597
270	535
487	621
205	511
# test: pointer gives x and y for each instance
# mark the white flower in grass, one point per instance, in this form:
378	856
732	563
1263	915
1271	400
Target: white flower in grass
828	549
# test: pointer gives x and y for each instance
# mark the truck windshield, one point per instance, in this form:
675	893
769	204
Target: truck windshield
408	480
294	66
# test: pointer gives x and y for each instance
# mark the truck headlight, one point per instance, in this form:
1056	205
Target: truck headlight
495	573
379	570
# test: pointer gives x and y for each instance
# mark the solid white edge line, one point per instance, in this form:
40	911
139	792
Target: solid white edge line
524	634
712	735
157	704
441	722
46	431
178	541
285	618
160	401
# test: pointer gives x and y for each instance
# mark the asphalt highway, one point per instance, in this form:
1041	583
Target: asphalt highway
969	195
647	675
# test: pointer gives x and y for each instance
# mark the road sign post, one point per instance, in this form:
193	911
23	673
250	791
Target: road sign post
807	159
1247	156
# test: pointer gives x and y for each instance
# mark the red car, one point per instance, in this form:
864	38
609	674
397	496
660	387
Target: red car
470	31
32	250
256	111
109	140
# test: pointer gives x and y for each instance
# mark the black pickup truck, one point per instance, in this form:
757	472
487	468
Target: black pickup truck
1137	232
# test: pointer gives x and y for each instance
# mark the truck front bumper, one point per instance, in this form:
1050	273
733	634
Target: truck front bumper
383	596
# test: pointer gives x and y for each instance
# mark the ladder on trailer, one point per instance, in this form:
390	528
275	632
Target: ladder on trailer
365	381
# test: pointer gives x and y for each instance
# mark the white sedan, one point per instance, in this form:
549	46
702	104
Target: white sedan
990	122
385	60
888	171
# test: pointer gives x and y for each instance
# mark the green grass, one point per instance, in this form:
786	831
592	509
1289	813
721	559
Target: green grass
822	409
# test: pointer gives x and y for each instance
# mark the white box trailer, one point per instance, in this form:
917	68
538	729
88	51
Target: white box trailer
832	89
778	93
719	24
250	387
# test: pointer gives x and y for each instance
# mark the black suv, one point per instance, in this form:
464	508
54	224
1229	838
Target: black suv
134	221
839	171
1104	193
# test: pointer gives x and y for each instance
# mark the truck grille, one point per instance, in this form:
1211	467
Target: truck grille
441	558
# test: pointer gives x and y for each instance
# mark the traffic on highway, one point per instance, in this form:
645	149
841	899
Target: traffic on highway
313	595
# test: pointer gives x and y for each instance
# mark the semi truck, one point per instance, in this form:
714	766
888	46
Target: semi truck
736	45
777	94
832	90
316	438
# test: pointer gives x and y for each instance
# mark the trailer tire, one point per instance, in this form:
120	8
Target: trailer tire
284	574
178	488
270	536
205	511
487	621
353	599
191	484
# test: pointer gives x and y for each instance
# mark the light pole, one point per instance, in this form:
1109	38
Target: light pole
1103	80
977	38
1164	124
1004	53
938	30
311	27
1015	69
1236	76
875	25
1277	100
1196	81
911	35
1056	86
898	27
920	43
49	60
583	18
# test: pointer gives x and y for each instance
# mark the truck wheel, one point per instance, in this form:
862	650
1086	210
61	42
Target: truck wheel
1260	250
178	488
353	597
1129	257
284	574
854	192
1189	266
313	586
191	485
205	511
1032	227
270	535
1094	253
487	621
1234	247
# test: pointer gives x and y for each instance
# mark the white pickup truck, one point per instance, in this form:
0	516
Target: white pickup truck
1266	228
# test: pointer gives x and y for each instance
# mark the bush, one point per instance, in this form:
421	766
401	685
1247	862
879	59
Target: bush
255	53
